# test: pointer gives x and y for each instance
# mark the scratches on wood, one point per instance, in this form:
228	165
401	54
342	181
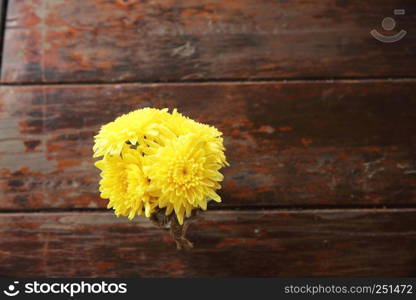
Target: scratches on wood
72	41
295	143
264	243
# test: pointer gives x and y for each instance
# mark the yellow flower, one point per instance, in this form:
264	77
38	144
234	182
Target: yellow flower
153	159
182	125
185	173
113	184
131	127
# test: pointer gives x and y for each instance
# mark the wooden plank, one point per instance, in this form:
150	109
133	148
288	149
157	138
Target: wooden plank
105	41
294	143
340	243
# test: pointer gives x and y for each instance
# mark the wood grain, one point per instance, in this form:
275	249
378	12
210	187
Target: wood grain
292	144
130	40
349	243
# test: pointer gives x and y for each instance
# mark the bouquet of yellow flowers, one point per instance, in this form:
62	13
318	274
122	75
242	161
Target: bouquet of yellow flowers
160	165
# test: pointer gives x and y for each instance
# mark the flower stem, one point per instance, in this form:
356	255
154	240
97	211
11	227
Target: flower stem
177	231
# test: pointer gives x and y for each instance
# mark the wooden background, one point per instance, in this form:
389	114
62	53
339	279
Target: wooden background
319	123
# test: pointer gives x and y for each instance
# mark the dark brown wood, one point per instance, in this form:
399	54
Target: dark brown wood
104	41
291	144
350	243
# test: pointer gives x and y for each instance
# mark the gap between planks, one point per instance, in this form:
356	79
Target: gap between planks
220	211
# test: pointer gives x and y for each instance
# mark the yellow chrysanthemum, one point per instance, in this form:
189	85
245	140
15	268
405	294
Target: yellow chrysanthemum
124	183
185	173
153	159
131	127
